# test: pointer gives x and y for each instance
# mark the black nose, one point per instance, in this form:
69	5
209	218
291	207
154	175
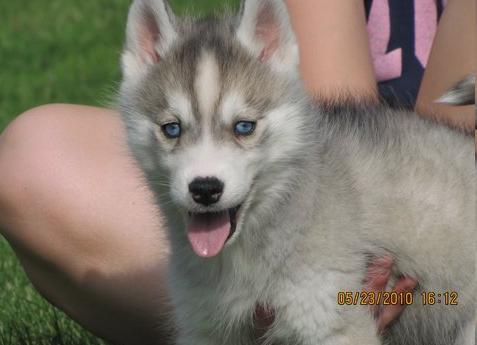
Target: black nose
206	191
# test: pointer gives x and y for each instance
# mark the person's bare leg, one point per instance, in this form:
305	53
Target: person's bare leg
335	58
452	58
75	208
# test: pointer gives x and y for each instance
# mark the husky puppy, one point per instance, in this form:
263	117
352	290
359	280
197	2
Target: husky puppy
274	202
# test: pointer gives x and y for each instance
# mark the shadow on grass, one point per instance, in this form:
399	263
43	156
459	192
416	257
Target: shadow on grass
25	317
20	333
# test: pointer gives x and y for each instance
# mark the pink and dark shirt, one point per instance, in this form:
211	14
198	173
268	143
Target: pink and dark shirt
401	34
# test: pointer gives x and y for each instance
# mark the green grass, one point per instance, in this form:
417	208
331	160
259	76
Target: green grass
55	51
64	50
25	317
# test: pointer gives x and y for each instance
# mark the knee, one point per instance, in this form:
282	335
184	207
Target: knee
34	174
28	155
59	203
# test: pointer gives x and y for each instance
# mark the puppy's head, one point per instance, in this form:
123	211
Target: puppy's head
213	106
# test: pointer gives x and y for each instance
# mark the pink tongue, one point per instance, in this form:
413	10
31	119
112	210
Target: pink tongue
207	233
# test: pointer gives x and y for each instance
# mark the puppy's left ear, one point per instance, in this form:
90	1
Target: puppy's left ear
150	32
266	31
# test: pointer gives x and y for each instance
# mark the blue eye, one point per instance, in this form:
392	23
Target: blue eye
244	128
172	130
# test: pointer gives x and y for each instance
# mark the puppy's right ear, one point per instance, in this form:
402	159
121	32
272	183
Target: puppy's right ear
150	32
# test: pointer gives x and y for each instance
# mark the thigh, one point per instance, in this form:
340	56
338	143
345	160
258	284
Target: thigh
77	211
65	162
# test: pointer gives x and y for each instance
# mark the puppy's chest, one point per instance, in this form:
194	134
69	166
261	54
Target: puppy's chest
262	290
272	309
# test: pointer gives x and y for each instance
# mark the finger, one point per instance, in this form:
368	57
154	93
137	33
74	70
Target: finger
377	277
376	286
389	313
378	273
386	262
377	282
405	284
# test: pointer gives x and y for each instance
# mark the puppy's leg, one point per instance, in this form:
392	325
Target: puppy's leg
467	335
188	335
355	328
193	339
311	312
360	329
196	318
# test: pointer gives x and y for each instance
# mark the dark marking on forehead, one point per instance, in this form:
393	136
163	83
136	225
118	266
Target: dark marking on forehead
238	70
208	35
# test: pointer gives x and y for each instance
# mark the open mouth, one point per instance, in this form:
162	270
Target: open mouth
209	232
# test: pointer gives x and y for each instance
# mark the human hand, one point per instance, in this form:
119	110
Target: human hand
377	277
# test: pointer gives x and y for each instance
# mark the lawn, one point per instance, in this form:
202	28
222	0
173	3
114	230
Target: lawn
56	51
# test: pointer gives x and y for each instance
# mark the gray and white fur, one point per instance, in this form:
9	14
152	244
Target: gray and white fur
322	189
463	93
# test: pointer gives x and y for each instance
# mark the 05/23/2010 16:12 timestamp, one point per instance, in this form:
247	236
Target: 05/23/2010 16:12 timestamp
427	298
